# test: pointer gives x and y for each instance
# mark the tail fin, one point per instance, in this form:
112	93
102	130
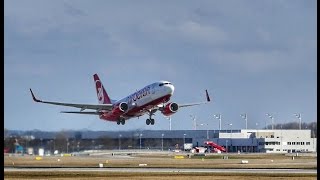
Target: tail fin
101	92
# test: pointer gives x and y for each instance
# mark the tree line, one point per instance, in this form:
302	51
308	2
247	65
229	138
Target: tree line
295	125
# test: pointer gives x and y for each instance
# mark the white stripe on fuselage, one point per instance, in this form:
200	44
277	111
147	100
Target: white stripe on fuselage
147	94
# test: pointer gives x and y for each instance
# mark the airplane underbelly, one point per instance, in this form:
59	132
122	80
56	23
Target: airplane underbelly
146	100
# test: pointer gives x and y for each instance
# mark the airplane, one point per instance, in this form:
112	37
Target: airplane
148	100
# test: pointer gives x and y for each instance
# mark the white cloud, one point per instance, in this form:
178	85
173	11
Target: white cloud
251	61
201	32
264	35
26	69
186	31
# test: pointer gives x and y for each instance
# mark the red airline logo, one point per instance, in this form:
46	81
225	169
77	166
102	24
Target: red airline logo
99	91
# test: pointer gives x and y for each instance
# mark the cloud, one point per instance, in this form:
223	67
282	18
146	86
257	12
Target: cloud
250	61
24	69
186	31
201	32
72	10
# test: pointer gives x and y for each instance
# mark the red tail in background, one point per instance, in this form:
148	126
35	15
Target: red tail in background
102	95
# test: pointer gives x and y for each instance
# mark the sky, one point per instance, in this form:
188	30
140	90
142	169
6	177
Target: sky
254	57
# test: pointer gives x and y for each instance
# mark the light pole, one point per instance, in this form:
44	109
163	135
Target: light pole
73	142
67	145
54	144
299	117
230	127
231	136
162	142
184	141
194	121
207	130
92	144
140	140
227	145
245	117
218	116
313	136
50	145
169	117
120	135
26	149
272	119
78	146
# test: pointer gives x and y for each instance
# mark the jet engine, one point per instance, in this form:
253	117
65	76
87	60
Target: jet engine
170	109
120	109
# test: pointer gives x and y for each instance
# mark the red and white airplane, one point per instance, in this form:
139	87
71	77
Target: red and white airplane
147	100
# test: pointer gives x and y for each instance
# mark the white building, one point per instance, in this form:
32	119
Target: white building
269	141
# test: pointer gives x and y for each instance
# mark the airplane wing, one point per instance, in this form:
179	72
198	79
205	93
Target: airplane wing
77	112
197	103
107	107
160	107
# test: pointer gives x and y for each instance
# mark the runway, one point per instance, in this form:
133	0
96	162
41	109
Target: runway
164	170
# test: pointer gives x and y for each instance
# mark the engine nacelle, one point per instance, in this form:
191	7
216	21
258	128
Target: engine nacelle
120	109
170	109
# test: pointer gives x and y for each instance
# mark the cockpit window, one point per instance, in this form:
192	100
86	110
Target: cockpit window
161	84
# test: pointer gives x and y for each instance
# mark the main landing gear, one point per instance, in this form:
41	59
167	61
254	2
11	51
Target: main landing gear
150	120
121	121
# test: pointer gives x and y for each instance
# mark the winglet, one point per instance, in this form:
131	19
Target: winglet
34	98
208	98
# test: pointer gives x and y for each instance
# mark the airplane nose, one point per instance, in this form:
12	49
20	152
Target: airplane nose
171	89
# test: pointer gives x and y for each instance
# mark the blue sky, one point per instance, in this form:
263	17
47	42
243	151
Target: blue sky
254	57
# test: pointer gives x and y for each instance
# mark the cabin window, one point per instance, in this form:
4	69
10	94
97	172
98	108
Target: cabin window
161	84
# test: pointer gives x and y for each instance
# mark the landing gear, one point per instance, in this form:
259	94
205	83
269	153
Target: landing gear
150	121
121	121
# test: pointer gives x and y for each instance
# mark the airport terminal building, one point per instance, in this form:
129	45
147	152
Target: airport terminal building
268	141
244	140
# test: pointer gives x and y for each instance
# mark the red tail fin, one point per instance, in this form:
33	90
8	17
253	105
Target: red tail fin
101	92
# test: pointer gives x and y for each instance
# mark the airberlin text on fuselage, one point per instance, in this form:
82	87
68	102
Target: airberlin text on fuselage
138	95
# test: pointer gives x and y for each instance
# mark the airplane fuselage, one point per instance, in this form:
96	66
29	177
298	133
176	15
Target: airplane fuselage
142	100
